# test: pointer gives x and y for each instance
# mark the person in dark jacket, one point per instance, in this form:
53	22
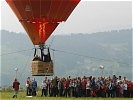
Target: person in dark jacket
16	87
54	86
28	87
34	87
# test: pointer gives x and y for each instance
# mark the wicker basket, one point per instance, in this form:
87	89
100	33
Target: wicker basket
40	68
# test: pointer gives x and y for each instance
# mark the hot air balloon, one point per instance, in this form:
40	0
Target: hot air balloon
40	18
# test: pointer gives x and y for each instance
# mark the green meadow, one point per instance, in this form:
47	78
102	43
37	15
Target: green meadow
21	96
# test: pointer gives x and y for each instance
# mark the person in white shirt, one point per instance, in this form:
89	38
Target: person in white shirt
88	87
125	88
44	88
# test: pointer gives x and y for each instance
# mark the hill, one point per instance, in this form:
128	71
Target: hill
75	54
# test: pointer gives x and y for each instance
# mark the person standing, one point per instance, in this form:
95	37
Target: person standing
55	88
125	92
28	87
60	87
83	86
44	88
34	87
88	87
93	87
16	87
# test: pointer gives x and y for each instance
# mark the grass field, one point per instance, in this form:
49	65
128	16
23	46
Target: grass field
21	96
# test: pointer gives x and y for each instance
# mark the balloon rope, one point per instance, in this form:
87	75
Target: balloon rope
57	10
15	52
40	9
77	54
26	65
49	9
31	10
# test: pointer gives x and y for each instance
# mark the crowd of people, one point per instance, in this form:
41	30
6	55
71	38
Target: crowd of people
82	87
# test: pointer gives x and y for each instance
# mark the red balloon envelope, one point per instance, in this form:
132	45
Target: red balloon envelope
41	17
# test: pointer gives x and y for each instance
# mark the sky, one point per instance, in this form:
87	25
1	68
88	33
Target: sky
88	17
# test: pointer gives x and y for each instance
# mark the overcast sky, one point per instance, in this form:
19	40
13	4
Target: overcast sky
88	17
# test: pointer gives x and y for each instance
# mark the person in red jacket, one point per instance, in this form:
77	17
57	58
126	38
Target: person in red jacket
83	86
16	87
66	87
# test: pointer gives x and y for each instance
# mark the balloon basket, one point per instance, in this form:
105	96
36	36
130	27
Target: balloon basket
41	68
